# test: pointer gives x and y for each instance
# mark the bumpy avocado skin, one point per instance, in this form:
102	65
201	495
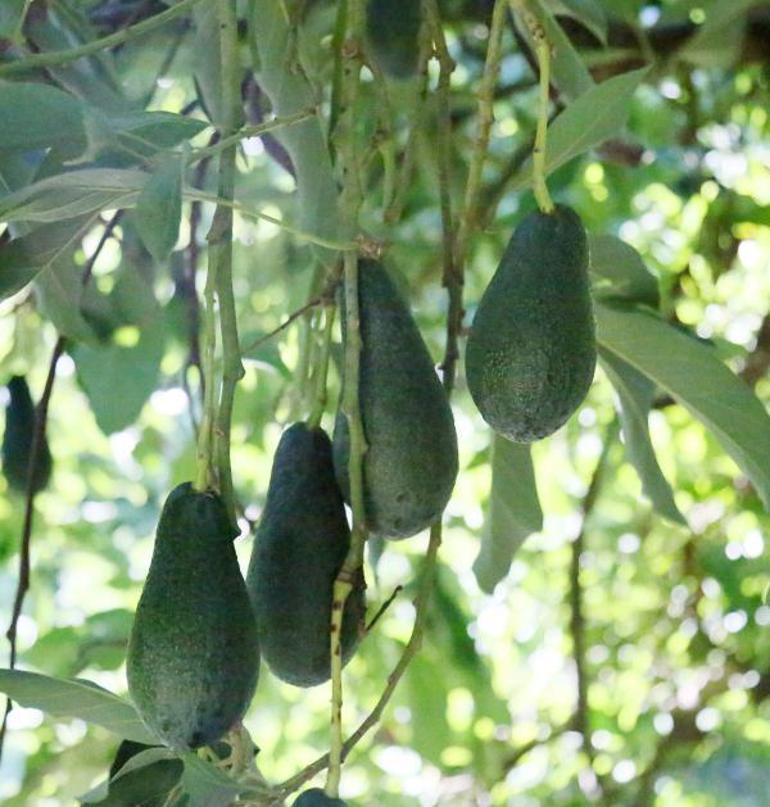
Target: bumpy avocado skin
393	30
17	440
410	464
317	798
531	353
300	546
193	655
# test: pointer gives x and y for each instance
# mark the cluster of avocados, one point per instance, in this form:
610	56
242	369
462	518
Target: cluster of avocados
200	628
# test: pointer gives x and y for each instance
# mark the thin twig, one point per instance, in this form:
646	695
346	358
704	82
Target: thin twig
383	608
59	57
35	453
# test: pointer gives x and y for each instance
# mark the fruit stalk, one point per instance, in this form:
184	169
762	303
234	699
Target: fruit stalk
220	240
543	53
486	98
322	369
351	202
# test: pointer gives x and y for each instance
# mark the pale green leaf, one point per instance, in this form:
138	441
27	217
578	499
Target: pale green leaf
619	272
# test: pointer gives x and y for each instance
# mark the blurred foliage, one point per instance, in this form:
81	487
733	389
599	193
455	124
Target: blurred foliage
662	625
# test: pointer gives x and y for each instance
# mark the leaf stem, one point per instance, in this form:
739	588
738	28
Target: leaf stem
58	57
322	369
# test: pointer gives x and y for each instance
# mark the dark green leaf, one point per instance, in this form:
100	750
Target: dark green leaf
11	18
39	116
692	373
636	393
159	208
75	699
619	272
587	12
513	513
717	42
593	118
208	786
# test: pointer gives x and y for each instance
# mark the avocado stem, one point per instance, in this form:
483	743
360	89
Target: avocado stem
543	54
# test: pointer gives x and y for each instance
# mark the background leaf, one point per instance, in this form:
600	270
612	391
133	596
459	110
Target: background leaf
159	208
513	512
619	272
80	699
691	372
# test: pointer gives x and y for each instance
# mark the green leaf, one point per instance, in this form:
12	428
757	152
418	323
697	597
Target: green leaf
636	393
691	372
75	699
23	258
11	18
159	208
117	379
568	70
588	13
266	354
38	116
717	43
514	512
619	272
74	193
208	786
60	292
593	118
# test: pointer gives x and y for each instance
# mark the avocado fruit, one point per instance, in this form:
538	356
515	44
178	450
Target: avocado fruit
193	654
393	34
300	546
17	440
315	797
410	464
531	352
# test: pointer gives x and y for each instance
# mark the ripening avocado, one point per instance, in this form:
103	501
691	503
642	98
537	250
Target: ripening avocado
300	546
317	798
410	464
393	31
17	440
531	352
193	654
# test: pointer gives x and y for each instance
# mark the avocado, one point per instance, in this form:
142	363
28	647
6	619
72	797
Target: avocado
317	798
393	32
531	352
17	440
410	464
300	546
193	654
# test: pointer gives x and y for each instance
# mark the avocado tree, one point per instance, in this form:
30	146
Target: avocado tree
385	401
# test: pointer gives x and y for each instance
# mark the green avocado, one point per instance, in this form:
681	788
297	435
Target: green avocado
531	352
393	31
17	440
300	546
317	798
410	464
193	654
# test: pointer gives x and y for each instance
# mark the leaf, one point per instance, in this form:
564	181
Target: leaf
621	272
265	354
60	291
159	208
593	118
691	372
514	512
160	130
23	258
12	18
208	786
74	193
587	12
717	42
636	393
568	71
118	380
38	116
75	699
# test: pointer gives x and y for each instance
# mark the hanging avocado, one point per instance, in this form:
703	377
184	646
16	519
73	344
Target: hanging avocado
410	464
300	546
193	656
17	440
531	352
317	798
